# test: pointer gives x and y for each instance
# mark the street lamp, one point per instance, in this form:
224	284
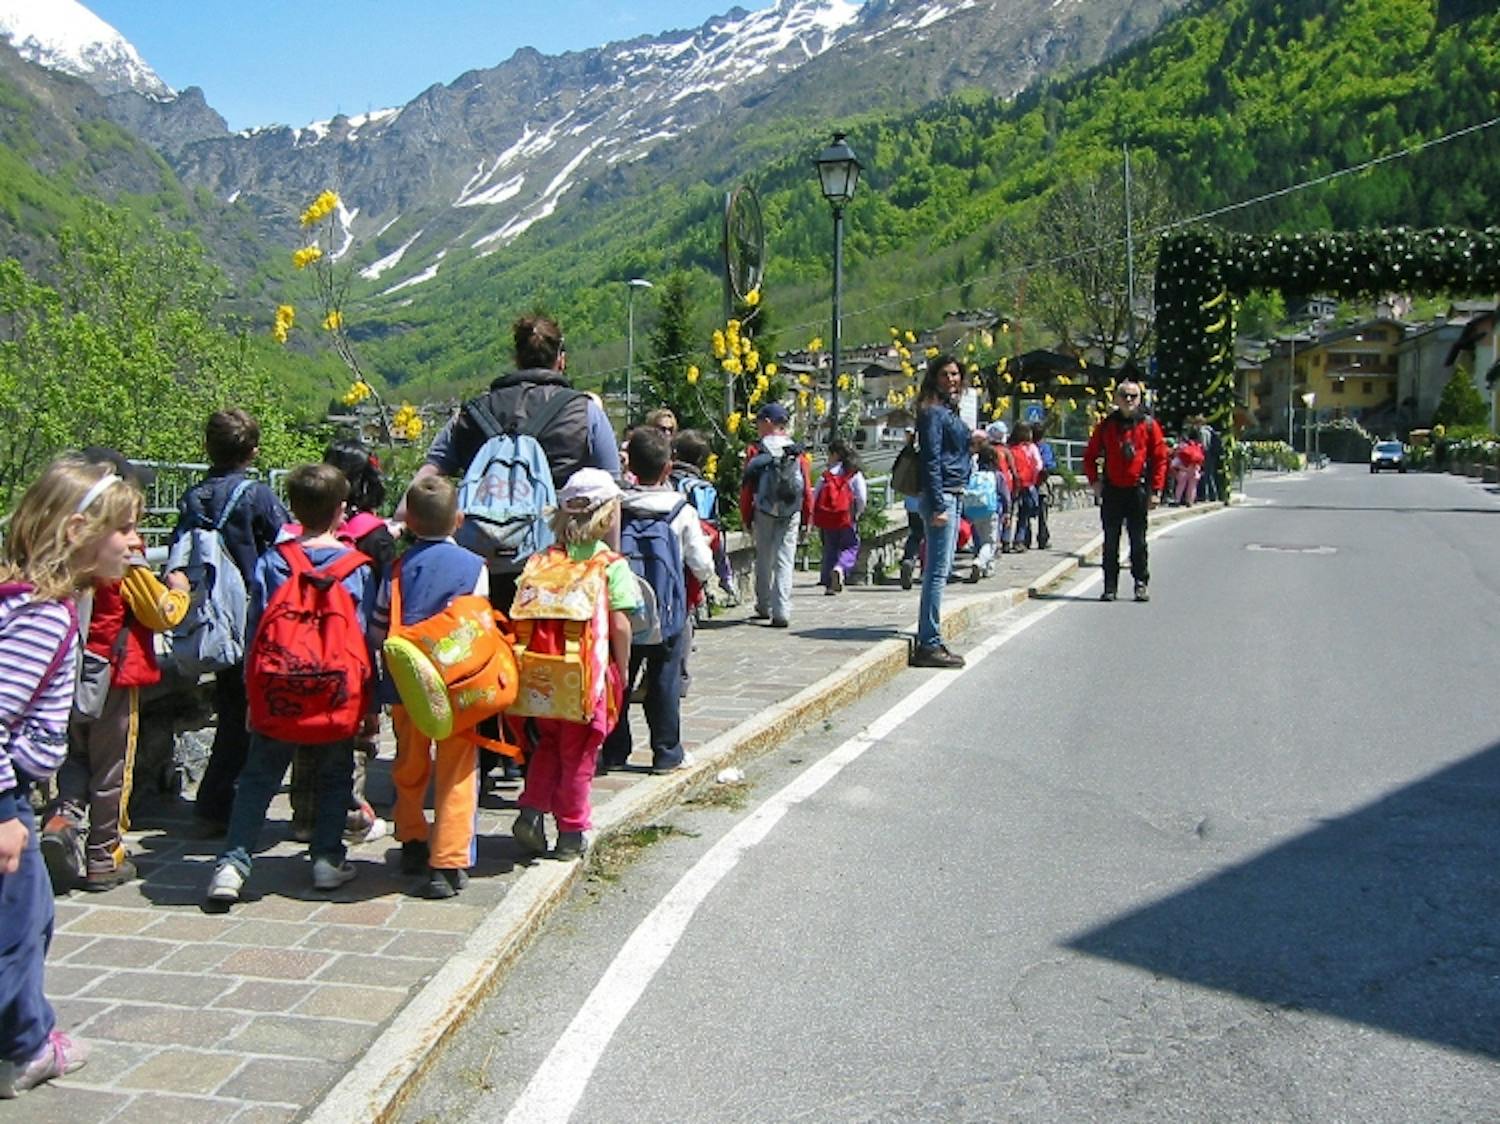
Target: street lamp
631	286
1307	401
838	172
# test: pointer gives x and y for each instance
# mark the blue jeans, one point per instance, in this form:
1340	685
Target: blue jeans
663	705
941	542
26	1018
265	766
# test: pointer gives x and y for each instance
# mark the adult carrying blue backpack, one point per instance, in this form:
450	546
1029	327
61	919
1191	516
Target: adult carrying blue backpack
981	499
650	545
211	636
506	493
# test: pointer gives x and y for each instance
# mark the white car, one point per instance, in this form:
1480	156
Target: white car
1388	454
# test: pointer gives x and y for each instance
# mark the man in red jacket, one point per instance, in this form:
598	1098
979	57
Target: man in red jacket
1134	453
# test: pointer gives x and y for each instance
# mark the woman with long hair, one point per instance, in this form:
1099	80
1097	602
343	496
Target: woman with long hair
943	461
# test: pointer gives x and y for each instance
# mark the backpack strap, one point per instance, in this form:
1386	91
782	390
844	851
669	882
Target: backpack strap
234	497
478	411
344	565
21	589
395	606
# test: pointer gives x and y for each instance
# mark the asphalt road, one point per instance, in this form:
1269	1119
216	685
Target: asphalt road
1231	855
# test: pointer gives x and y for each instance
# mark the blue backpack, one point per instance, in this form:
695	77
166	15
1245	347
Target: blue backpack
981	500
650	546
211	636
701	493
506	493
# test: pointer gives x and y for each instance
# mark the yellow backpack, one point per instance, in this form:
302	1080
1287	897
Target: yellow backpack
561	618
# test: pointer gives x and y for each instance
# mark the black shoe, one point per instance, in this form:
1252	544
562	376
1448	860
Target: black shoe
1107	595
975	573
530	831
1141	592
906	573
62	852
570	845
780	622
938	656
97	881
414	856
442	884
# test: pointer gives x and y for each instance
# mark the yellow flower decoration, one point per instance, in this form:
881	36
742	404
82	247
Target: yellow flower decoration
752	359
320	208
845	382
820	405
1048	400
752	298
733	327
755	396
692	375
732	422
333	321
285	315
719	349
910	336
930	352
771	369
733	365
815	344
895	332
711	466
306	256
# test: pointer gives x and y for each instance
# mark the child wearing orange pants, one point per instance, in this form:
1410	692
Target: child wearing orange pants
432	573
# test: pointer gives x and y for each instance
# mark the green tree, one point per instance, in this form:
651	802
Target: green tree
1460	403
125	351
676	352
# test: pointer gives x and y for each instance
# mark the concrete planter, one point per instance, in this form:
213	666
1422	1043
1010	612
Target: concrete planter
1491	474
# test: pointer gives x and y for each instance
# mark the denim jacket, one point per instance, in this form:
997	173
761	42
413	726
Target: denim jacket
942	453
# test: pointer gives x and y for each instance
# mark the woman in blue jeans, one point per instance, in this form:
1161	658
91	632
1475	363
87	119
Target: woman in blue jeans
943	459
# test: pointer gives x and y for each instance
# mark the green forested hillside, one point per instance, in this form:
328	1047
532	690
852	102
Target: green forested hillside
1233	99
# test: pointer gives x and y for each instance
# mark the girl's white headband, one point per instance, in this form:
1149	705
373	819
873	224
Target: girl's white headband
101	485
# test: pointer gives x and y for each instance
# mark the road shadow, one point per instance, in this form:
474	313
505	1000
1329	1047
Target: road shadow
1383	917
852	632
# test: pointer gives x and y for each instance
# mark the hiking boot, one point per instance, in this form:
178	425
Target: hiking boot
62	851
907	569
570	845
936	656
414	856
836	581
59	1056
97	881
1141	592
780	622
224	888
530	831
443	883
330	875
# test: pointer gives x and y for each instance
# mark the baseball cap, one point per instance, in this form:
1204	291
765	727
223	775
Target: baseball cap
586	489
997	431
773	412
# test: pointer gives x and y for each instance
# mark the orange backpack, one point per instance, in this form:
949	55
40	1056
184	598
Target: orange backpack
308	674
561	618
455	669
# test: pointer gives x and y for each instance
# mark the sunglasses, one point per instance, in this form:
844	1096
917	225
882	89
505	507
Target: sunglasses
1129	397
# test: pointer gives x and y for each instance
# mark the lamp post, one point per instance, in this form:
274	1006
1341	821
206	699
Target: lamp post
631	286
1307	401
838	173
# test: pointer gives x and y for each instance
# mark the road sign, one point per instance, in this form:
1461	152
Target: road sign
1033	414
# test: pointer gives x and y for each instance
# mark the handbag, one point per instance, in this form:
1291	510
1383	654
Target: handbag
906	473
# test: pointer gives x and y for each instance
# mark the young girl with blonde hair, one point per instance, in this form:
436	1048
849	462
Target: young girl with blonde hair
75	525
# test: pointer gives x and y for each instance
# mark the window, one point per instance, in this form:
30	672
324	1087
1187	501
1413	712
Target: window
1338	386
1367	387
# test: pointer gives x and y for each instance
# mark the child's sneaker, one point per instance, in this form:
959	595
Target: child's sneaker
414	856
530	831
443	883
62	851
224	888
329	875
59	1056
363	826
571	845
97	881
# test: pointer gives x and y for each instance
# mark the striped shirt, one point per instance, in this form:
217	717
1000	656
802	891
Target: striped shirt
33	721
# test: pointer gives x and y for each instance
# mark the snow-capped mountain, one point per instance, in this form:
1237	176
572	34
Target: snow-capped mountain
64	35
467	167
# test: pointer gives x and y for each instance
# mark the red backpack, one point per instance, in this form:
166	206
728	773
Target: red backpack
833	510
308	674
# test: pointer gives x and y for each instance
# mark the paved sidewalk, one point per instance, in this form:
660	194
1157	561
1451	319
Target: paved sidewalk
323	1005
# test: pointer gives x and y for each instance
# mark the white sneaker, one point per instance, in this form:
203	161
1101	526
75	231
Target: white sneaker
328	875
379	829
226	883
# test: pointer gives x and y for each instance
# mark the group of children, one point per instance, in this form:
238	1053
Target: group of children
1005	504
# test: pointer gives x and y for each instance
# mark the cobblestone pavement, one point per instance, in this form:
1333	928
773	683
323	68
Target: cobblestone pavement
253	1015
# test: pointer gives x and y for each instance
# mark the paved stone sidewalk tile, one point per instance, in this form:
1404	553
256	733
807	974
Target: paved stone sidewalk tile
170	988
182	1071
56	1104
349	938
275	963
269	934
262	995
122	952
201	957
185	927
155	1108
378	971
265	1114
166	1026
362	1004
111	922
280	1081
295	1036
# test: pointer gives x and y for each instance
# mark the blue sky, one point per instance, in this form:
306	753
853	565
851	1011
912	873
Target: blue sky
264	62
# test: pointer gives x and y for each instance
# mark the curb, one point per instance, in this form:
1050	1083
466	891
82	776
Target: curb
380	1080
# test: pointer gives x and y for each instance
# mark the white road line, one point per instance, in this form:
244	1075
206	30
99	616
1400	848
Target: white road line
559	1083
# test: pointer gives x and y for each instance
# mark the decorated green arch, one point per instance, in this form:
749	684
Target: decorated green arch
1202	275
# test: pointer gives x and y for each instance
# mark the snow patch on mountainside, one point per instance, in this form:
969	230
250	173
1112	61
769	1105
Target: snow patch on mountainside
373	271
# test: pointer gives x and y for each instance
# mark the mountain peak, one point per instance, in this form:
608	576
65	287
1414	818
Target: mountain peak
64	35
